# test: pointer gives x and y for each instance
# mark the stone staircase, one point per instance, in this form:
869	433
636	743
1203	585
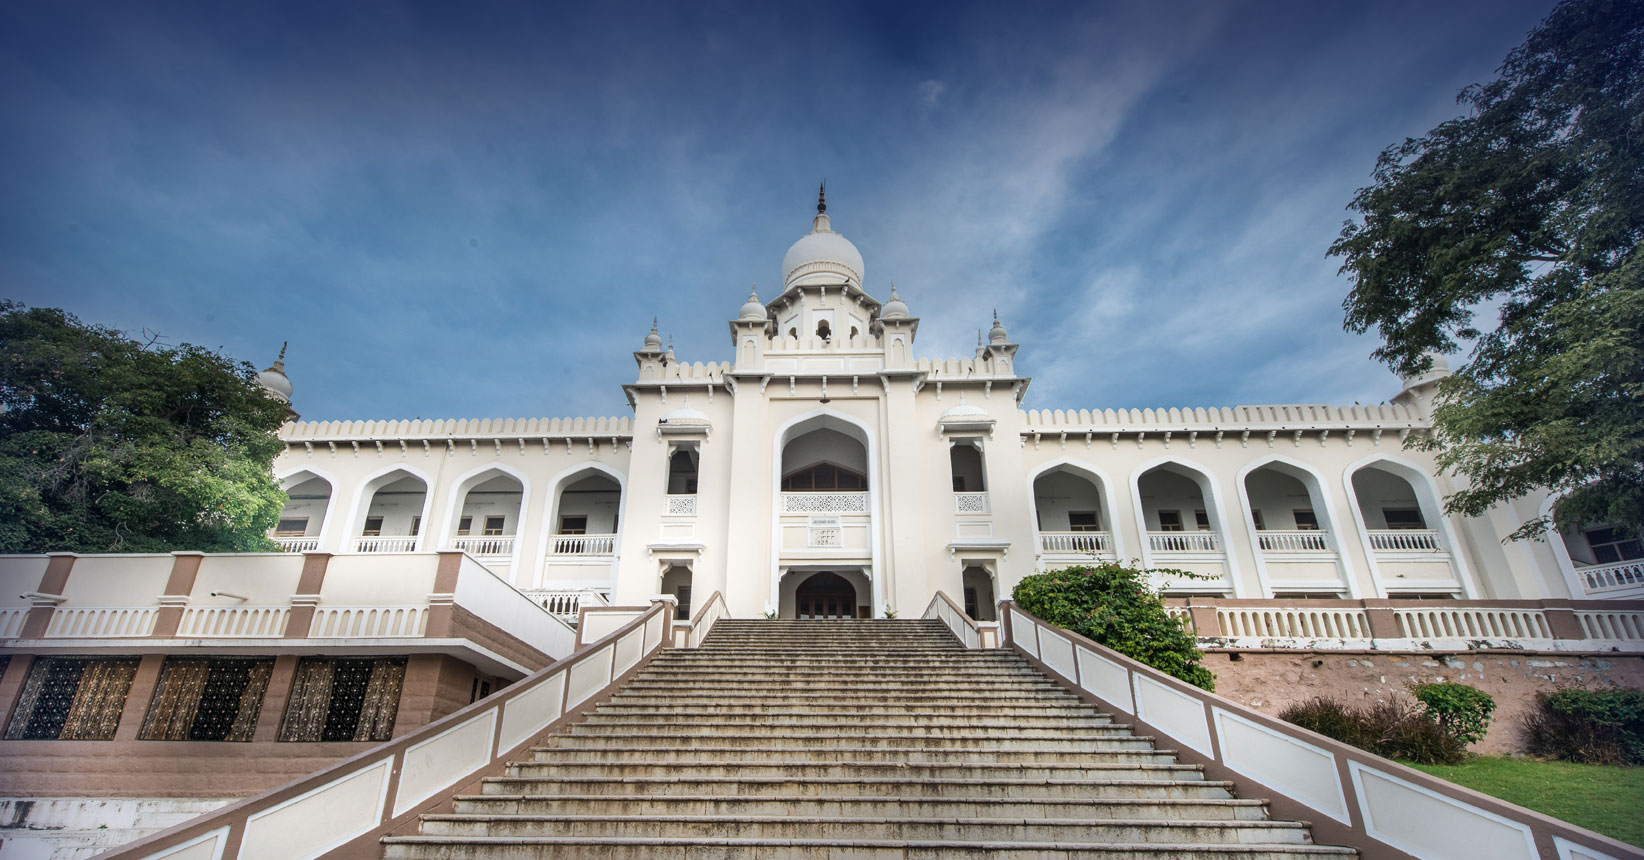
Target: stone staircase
858	739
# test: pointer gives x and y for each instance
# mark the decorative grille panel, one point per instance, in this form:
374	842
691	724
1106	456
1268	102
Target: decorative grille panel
72	698
344	699
824	503
201	699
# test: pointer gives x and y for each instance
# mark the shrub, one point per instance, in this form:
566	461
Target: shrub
1588	726
1462	711
1113	605
1388	729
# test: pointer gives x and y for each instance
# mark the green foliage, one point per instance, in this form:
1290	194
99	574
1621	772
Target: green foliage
111	445
1534	203
1462	711
1388	729
1112	605
1590	726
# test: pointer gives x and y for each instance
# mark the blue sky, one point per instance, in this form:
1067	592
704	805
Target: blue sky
474	210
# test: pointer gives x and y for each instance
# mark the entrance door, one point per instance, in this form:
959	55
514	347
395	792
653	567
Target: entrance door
825	595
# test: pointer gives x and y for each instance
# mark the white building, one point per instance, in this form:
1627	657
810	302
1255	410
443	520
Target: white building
827	470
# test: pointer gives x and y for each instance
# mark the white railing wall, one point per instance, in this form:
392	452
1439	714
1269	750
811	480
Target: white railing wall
297	544
1618	626
392	543
824	503
1624	575
582	545
1184	541
711	613
1293	541
344	809
1351	797
1405	540
1414	626
943	609
484	545
1462	622
1087	543
565	605
101	622
1297	623
262	622
11	621
336	622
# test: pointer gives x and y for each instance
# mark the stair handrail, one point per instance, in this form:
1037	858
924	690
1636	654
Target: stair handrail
342	810
964	628
1350	796
702	623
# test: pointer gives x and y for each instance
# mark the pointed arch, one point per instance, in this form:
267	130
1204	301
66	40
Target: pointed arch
1215	511
1317	486
458	492
551	503
1104	491
328	521
831	419
367	488
1431	502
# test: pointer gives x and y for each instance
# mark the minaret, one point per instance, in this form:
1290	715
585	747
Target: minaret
650	357
748	333
1000	351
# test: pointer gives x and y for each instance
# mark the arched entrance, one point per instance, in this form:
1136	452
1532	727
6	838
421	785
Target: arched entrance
825	595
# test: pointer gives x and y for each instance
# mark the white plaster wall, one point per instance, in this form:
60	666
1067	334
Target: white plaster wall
1377	490
1164	490
397	503
1278	496
1057	493
309	499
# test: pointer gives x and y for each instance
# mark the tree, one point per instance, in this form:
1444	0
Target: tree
112	445
1533	202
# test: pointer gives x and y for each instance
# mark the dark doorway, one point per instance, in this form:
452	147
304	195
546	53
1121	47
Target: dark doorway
825	595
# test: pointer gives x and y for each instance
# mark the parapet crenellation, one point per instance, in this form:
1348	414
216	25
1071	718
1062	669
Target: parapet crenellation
1287	416
456	428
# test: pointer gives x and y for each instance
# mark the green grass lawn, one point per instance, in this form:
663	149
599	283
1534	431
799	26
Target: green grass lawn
1609	800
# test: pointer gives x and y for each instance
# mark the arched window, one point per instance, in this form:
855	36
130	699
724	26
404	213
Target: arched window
824	476
823	331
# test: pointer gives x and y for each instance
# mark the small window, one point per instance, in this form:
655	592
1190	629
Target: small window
207	699
823	330
1170	521
1306	521
1202	520
465	525
493	526
1610	547
683	610
573	525
416	526
481	689
353	699
294	527
373	527
824	476
72	699
1256	517
1403	518
1080	521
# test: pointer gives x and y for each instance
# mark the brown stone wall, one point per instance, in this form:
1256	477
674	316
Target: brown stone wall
1270	681
467	625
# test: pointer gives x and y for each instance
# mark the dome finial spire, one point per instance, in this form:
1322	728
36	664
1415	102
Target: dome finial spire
822	197
279	363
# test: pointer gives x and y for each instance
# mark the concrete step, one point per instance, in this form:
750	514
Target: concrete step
753	755
932	718
690	698
664	706
821	732
1143	783
1154	831
965	808
809	739
842	770
536	848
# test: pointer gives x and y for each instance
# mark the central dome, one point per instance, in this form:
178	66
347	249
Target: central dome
822	256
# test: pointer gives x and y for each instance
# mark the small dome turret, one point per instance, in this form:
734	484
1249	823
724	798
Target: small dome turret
752	310
895	309
669	355
996	335
653	341
274	381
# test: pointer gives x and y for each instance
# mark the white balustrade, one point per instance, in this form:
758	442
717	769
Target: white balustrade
1463	622
262	622
297	544
1087	543
349	622
484	544
824	503
681	506
1621	626
970	503
1184	541
565	605
582	545
1623	575
95	622
11	621
392	543
1294	541
1294	623
1405	540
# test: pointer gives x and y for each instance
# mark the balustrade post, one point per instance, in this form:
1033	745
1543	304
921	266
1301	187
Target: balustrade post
185	567
309	582
1561	619
1380	618
1206	621
441	606
53	581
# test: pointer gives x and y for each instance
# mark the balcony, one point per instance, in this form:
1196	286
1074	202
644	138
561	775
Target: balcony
1405	540
824	503
1413	560
1077	543
1608	578
566	605
484	545
582	545
1192	542
392	543
297	544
